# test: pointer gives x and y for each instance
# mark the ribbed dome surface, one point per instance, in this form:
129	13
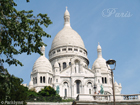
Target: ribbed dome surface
97	66
42	63
67	36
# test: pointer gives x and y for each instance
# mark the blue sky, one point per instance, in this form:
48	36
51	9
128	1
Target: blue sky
118	36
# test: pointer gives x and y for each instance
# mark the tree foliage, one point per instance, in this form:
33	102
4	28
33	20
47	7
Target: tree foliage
47	91
47	94
20	31
32	93
11	88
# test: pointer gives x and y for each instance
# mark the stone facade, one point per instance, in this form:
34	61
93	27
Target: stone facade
67	67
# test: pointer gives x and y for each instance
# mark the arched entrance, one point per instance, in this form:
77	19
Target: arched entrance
65	87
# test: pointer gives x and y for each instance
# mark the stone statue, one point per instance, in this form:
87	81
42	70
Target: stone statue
57	89
102	90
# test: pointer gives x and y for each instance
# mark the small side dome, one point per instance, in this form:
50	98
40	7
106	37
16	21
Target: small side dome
42	64
97	66
56	64
101	62
31	83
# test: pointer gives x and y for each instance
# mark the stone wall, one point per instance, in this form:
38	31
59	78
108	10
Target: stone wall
49	103
85	103
106	103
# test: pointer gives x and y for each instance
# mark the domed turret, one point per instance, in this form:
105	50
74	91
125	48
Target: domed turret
100	60
31	83
42	67
67	36
67	42
42	63
67	18
66	13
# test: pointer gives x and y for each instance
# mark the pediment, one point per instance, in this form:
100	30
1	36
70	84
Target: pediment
88	72
66	72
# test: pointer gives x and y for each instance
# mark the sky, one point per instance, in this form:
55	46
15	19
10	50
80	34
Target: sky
114	24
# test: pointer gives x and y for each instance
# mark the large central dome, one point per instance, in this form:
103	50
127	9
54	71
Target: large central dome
67	36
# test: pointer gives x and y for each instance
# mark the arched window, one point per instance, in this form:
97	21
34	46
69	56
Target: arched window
75	49
77	66
102	80
69	49
36	80
64	49
49	80
89	91
59	66
64	65
44	79
105	80
89	84
98	81
56	80
33	81
65	84
69	63
53	67
110	80
40	79
58	50
65	92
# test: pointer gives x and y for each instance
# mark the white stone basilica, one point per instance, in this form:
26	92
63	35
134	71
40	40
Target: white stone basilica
67	67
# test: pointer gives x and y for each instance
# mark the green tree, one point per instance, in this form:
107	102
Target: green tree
11	88
32	93
47	91
20	31
48	94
